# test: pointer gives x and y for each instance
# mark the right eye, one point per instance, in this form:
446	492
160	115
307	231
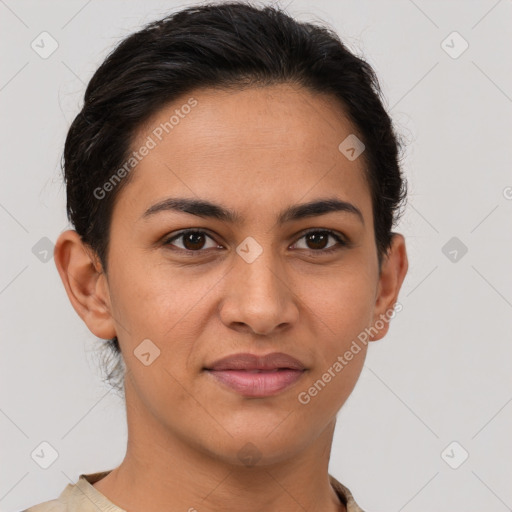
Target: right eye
193	240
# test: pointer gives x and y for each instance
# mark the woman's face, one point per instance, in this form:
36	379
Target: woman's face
252	284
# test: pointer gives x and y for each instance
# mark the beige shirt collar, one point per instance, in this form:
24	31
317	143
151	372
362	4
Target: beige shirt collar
82	496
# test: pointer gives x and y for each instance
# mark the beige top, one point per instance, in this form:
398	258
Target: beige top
82	496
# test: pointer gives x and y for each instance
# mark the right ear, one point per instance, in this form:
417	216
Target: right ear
85	283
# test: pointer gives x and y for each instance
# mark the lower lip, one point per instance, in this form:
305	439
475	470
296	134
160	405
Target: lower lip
258	384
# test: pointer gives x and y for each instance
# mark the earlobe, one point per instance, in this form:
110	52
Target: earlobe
393	272
85	283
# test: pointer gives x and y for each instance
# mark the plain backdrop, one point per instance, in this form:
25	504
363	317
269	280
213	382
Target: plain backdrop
428	425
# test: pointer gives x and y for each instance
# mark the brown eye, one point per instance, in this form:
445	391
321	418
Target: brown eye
191	240
317	240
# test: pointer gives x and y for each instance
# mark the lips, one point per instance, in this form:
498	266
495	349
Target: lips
252	362
257	376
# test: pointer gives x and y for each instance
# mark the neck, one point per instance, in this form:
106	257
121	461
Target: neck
162	470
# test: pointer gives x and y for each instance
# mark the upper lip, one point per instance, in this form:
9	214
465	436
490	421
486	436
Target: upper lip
246	361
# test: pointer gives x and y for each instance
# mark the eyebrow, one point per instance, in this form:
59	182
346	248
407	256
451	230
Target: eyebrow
207	209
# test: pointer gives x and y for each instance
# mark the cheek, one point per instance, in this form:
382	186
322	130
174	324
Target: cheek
161	312
168	307
341	311
343	303
341	315
145	293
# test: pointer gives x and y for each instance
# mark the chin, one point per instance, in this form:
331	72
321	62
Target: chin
256	444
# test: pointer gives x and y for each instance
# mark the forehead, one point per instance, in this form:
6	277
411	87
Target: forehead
269	145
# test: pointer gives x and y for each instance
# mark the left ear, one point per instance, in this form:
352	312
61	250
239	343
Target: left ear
392	274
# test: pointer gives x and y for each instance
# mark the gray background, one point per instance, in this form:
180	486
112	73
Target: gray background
442	374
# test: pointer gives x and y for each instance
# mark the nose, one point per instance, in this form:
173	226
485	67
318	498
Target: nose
258	298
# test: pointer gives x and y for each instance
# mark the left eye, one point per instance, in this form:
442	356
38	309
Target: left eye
319	238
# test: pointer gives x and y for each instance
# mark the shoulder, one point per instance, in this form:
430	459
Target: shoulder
80	496
48	506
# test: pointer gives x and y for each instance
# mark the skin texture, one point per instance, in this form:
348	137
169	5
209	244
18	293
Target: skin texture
256	151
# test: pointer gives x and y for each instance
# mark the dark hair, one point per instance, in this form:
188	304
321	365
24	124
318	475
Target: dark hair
228	45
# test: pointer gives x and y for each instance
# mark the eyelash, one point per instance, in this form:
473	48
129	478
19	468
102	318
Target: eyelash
342	243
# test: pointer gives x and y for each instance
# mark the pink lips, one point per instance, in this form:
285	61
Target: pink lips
257	376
